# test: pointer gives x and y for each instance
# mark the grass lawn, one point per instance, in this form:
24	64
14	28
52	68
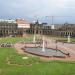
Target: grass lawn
15	39
12	63
30	38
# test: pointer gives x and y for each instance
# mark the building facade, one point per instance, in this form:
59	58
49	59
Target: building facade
66	29
16	27
19	27
62	30
22	26
8	27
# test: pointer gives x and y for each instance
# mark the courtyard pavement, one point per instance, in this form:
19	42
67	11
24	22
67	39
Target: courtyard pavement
64	47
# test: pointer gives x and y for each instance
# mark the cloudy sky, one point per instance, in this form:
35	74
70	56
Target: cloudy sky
33	8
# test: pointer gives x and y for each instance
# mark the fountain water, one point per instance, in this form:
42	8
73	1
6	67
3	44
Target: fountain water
69	38
46	52
34	38
43	46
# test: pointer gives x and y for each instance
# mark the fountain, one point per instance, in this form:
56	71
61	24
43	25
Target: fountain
34	39
42	51
68	38
43	46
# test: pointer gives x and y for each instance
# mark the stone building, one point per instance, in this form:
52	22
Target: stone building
16	27
62	30
66	29
8	27
35	28
22	26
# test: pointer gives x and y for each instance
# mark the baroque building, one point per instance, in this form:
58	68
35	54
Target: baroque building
21	27
8	27
16	27
62	30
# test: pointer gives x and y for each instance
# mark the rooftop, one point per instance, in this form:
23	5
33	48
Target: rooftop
9	20
22	21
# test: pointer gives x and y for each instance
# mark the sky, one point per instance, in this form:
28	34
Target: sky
38	9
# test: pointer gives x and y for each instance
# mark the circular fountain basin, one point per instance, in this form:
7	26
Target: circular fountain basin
47	53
